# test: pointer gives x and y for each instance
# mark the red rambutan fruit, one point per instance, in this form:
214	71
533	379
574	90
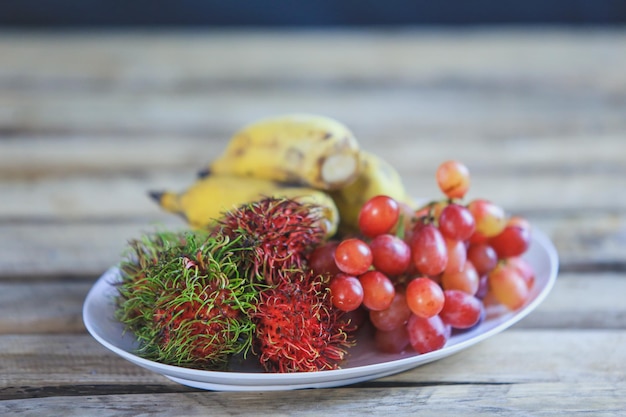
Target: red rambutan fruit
279	231
297	328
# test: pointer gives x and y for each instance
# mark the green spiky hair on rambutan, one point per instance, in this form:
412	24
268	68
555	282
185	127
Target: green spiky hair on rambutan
184	298
279	232
298	329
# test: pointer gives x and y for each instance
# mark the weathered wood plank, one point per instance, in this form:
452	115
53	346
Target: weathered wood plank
586	367
174	60
487	111
582	301
80	250
550	355
42	307
536	399
32	157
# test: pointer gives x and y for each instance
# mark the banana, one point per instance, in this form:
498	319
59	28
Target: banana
376	176
209	197
302	149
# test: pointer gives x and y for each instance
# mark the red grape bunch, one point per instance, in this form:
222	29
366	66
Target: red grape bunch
418	274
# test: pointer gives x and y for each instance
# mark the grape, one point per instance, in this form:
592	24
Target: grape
453	179
395	316
346	292
322	259
378	290
483	257
391	255
427	334
456	222
424	297
508	286
483	287
513	240
477	238
490	218
428	250
523	268
466	280
392	341
457	255
355	317
461	310
378	215
353	256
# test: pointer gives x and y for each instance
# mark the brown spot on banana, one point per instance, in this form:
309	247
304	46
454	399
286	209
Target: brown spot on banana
305	149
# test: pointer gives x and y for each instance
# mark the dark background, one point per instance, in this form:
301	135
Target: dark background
322	13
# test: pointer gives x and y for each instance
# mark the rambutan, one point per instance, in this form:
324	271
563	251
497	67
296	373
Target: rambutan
184	299
297	328
280	233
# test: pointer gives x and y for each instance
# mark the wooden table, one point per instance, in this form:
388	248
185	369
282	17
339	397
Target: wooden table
90	122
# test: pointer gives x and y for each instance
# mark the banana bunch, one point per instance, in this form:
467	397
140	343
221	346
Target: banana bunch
307	157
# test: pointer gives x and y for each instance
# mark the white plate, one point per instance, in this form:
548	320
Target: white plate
363	363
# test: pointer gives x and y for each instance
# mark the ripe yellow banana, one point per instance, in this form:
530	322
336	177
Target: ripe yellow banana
210	197
302	149
376	177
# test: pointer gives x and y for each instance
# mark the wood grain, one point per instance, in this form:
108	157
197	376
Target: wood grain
537	399
535	384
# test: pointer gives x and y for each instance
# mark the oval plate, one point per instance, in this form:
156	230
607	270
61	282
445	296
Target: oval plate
363	363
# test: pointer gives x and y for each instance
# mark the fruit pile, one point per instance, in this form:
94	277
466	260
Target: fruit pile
419	274
297	239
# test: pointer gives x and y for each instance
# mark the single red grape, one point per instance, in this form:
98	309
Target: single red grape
392	341
483	257
427	334
322	259
424	297
346	292
466	280
453	179
461	310
378	215
428	250
508	286
456	222
378	290
395	316
457	255
513	240
391	255
355	318
353	256
524	268
490	219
